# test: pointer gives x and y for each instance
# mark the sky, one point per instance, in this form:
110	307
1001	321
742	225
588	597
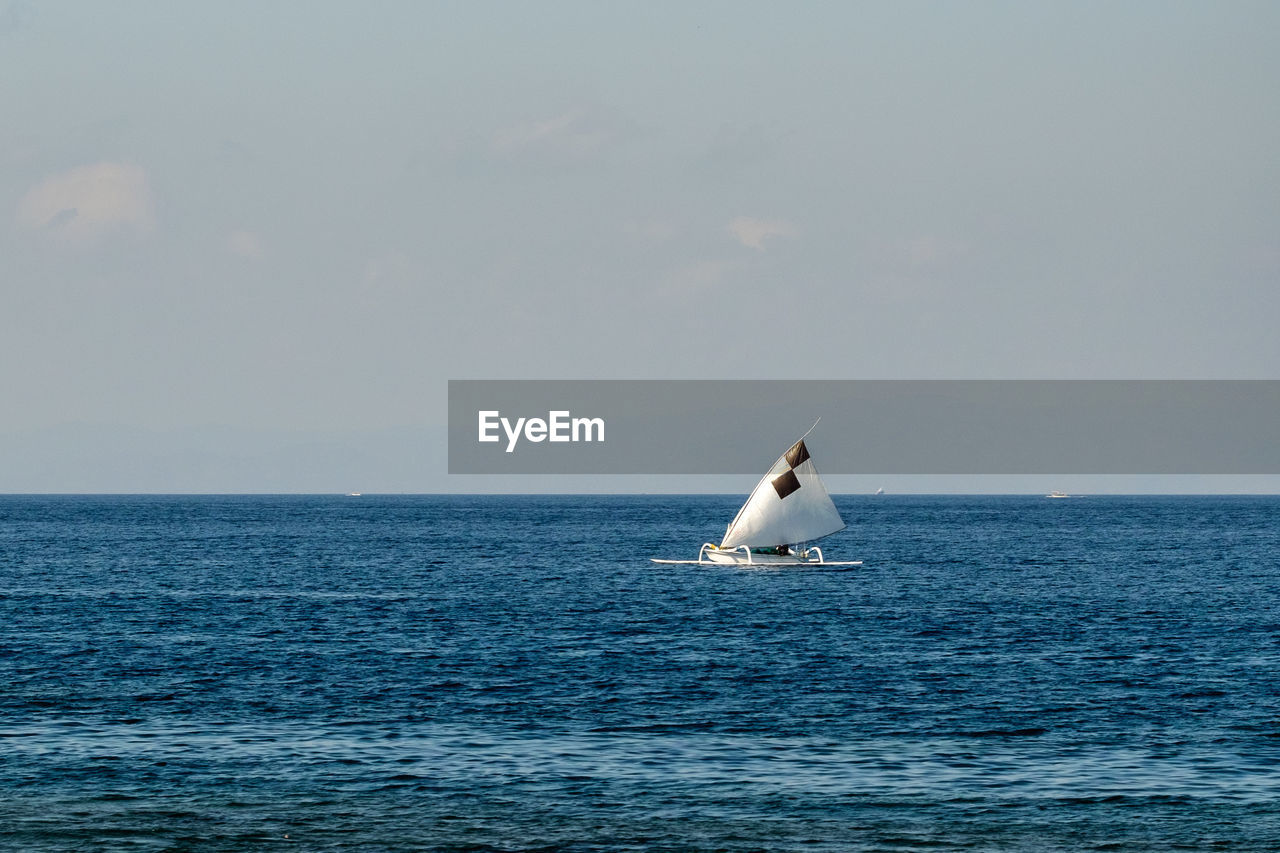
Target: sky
246	245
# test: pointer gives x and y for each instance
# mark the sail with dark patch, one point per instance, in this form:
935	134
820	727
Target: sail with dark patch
788	506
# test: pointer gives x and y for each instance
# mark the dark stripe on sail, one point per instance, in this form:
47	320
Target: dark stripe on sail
786	483
797	454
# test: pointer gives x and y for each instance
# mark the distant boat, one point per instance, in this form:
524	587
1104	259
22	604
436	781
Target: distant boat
788	509
1057	495
880	491
353	494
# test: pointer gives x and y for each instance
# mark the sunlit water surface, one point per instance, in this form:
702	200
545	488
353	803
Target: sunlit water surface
512	673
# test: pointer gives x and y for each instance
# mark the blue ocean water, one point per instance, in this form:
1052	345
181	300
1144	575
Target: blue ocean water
512	674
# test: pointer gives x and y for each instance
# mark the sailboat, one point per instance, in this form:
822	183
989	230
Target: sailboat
788	509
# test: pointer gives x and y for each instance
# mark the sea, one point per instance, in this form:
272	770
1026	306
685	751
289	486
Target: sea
512	673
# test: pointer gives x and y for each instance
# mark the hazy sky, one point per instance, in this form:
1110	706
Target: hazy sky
305	217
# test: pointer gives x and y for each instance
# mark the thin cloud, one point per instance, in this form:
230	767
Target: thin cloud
61	218
576	133
699	276
1264	258
930	252
387	271
16	17
923	253
753	233
650	231
244	244
86	205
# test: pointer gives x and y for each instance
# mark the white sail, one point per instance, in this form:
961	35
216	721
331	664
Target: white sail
789	505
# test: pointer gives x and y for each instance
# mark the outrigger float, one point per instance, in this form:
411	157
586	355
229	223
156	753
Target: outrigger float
788	509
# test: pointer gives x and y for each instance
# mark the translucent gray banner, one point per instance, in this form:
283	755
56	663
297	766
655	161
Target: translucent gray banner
867	427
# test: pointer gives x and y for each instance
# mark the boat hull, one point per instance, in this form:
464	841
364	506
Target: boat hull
758	565
709	555
738	558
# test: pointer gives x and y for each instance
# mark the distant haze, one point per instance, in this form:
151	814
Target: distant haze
246	245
